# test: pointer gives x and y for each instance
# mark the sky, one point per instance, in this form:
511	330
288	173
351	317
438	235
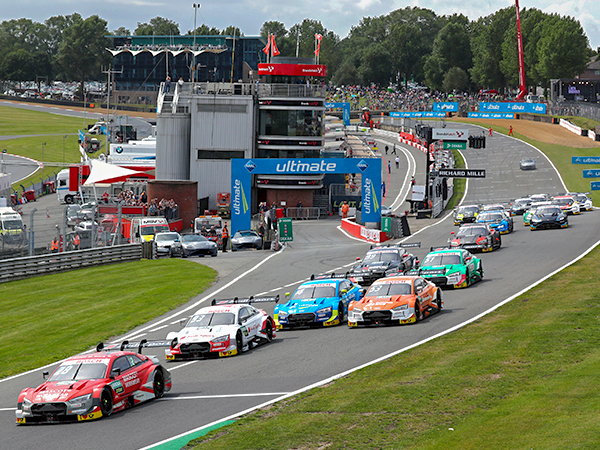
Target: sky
249	15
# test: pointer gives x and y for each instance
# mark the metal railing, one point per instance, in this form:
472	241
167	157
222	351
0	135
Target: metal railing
587	110
19	268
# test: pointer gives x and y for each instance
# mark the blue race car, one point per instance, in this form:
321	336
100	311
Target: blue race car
497	219
322	301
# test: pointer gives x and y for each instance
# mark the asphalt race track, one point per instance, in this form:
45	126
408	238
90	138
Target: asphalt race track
208	391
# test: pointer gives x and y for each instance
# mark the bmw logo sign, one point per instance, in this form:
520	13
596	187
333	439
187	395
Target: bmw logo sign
362	165
119	150
250	166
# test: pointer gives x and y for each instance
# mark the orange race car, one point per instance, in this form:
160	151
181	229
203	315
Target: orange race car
396	300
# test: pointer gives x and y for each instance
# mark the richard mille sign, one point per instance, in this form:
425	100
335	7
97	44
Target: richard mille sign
461	173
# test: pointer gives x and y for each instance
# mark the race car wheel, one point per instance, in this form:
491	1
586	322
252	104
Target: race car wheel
106	401
341	312
417	311
269	331
239	342
438	301
159	384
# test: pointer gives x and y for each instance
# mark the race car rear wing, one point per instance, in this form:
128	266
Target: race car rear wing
440	247
403	244
247	300
126	345
328	276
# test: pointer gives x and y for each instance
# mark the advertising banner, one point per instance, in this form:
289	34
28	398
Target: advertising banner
595	185
504	107
243	169
452	134
487	115
594	173
462	173
417	114
345	110
294	70
585	159
449	145
445	106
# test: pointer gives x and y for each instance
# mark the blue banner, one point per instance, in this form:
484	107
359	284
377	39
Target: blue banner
241	182
487	115
585	159
445	106
595	185
504	107
81	136
595	173
345	110
417	114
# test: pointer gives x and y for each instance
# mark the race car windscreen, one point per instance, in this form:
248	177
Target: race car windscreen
385	289
79	371
441	259
472	231
491	217
468	209
371	257
564	201
211	319
313	291
548	211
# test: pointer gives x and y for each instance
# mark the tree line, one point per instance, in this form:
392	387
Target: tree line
448	53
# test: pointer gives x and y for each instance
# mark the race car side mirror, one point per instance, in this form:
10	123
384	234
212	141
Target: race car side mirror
287	294
344	291
45	374
358	258
182	322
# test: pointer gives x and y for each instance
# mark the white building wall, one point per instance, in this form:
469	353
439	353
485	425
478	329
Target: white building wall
220	125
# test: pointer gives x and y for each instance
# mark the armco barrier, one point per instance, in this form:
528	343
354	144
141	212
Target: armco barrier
19	268
361	232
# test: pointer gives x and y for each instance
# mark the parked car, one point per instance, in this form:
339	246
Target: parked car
165	242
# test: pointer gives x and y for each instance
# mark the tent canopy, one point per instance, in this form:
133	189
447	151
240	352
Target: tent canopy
102	172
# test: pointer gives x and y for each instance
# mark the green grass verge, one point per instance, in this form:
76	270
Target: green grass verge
459	183
47	318
522	377
17	121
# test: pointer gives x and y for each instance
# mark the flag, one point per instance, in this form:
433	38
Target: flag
274	49
268	47
318	37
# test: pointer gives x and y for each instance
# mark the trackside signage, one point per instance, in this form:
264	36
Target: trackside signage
345	110
487	115
585	159
243	169
445	106
417	114
504	107
450	134
461	173
594	173
595	185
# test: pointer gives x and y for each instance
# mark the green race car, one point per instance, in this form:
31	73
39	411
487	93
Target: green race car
450	267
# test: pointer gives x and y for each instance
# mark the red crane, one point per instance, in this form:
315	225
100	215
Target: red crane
522	85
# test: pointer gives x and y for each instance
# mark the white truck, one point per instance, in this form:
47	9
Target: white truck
12	230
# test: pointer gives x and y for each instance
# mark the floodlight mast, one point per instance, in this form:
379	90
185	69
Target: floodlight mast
522	85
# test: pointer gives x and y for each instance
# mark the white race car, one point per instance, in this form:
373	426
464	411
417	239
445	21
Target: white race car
225	328
585	203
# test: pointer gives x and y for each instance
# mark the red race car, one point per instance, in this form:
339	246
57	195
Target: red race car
87	387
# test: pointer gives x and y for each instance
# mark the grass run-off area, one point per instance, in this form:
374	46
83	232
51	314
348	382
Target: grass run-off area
50	317
46	137
522	377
